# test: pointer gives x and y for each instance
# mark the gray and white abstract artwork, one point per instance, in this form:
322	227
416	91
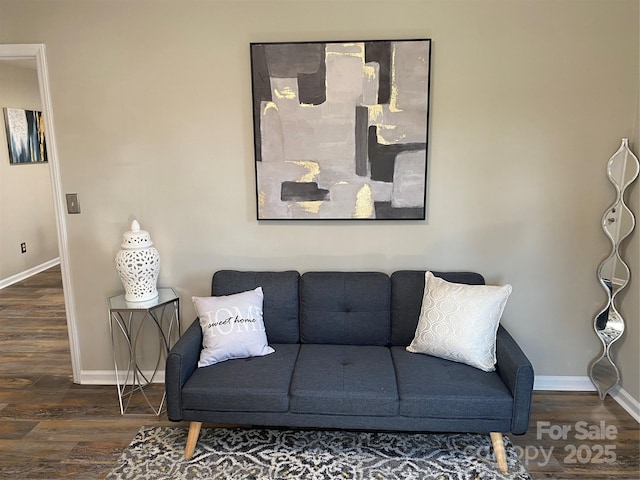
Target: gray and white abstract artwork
340	129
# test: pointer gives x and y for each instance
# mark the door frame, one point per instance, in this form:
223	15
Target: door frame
36	52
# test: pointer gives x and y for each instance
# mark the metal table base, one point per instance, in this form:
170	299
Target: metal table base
126	323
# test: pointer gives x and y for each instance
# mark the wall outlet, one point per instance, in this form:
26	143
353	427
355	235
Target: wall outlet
23	247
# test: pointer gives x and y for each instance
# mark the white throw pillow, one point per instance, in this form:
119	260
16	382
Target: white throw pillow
232	327
459	322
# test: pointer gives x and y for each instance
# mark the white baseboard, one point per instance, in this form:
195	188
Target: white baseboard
626	401
563	383
108	377
584	384
18	277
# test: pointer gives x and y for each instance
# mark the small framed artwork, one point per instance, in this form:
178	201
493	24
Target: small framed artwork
341	129
25	136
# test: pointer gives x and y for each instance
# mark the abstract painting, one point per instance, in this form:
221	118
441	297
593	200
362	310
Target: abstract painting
25	136
341	129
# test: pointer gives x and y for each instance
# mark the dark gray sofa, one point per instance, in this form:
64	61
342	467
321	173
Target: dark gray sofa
340	361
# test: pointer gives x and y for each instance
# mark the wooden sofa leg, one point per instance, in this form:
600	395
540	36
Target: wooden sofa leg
192	439
498	450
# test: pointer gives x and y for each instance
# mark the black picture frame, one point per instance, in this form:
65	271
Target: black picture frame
341	129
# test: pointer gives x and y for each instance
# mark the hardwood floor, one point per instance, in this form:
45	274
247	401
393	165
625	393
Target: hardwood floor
573	435
51	428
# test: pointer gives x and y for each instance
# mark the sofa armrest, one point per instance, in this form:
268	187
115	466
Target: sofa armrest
516	372
181	363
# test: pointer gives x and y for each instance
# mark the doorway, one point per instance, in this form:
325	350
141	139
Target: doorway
34	54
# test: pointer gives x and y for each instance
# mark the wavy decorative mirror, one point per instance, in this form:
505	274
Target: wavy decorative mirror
613	273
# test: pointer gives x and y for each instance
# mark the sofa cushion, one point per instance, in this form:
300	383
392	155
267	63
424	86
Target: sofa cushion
344	380
280	306
232	327
433	387
407	290
257	384
345	308
459	322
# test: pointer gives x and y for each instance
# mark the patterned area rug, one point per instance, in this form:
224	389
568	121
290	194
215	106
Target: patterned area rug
261	454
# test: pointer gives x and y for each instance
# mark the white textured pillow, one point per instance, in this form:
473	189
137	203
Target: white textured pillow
459	322
232	327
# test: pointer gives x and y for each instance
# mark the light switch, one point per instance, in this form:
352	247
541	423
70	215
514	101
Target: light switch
73	206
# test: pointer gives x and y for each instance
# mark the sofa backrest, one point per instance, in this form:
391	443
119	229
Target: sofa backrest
407	290
280	307
349	308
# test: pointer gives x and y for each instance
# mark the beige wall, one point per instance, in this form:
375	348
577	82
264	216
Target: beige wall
152	102
629	348
26	201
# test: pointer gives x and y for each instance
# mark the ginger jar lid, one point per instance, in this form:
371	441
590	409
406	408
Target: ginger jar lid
136	238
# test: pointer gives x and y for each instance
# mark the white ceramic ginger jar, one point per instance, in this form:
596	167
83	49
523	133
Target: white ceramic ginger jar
138	264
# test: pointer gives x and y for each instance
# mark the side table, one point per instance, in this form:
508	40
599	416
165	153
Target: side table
127	321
